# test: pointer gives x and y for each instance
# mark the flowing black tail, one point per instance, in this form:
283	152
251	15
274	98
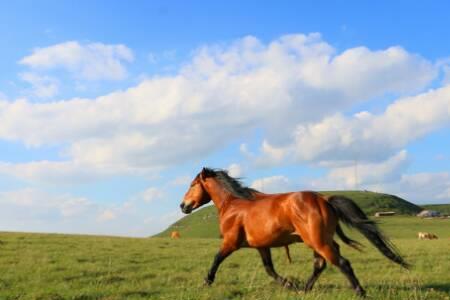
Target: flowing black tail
349	213
352	243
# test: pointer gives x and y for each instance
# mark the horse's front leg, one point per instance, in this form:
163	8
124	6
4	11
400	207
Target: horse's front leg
227	247
266	257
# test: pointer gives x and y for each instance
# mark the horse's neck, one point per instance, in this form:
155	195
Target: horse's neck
218	194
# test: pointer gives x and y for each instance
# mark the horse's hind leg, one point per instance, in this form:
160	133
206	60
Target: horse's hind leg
266	257
331	254
319	265
347	269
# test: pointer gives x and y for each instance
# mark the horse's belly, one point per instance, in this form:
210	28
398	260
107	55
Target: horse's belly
275	239
263	228
286	239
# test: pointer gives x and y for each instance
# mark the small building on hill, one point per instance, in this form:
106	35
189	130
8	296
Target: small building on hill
429	214
384	213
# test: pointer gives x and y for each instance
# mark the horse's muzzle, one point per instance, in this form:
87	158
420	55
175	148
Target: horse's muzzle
187	209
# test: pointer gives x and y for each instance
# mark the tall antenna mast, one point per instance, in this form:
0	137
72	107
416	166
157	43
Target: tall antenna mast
356	168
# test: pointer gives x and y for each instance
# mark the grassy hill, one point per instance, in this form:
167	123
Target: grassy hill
200	224
372	202
442	208
203	223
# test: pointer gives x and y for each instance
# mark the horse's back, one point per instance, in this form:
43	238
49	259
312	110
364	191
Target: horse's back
304	203
283	206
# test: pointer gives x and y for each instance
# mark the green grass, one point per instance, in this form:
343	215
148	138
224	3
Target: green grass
48	266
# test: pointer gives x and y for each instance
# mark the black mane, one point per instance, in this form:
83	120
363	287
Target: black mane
233	185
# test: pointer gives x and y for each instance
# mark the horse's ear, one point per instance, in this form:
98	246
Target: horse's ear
203	173
206	172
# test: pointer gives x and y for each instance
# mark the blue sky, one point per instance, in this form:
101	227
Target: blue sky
107	110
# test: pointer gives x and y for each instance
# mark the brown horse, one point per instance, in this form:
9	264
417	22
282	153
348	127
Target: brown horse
249	218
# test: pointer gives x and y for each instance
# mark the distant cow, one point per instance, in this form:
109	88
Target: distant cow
426	236
175	235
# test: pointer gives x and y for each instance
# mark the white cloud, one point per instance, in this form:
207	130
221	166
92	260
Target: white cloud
290	89
92	61
446	79
106	215
357	175
235	170
36	210
388	176
364	136
272	184
426	187
42	86
63	172
444	66
224	93
271	155
35	203
152	194
367	69
183	180
368	173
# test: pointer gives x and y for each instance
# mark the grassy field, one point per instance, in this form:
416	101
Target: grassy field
43	266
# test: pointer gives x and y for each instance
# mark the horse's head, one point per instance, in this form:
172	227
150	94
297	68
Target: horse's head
196	196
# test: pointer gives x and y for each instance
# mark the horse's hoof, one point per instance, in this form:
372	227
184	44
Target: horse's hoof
207	281
361	292
289	285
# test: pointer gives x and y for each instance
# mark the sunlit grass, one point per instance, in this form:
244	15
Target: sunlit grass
40	266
